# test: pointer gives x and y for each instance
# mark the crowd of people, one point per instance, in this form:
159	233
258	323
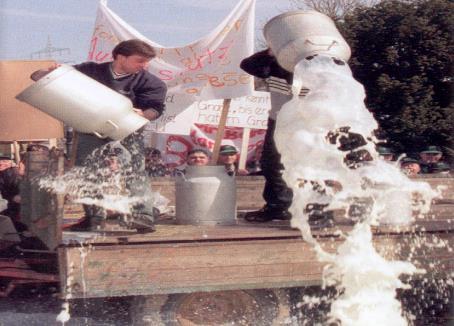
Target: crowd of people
11	175
228	156
429	160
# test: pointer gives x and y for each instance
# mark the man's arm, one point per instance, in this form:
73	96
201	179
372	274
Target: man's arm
150	98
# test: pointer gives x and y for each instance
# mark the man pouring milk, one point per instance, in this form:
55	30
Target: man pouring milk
127	75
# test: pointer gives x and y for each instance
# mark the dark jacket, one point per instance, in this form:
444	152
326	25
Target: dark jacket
145	90
9	188
264	65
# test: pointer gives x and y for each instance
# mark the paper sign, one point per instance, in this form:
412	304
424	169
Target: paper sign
247	112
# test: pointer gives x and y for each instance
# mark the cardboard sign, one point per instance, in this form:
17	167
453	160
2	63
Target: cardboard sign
247	112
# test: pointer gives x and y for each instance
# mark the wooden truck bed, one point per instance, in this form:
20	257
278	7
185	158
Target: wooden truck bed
185	258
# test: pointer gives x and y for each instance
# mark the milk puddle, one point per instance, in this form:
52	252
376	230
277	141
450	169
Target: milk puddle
327	147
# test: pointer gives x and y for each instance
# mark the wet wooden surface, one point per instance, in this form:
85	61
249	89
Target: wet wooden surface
185	258
188	258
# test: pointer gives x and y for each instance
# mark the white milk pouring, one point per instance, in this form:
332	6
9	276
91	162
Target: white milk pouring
336	100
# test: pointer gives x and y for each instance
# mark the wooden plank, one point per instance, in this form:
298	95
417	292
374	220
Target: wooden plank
185	267
220	131
170	233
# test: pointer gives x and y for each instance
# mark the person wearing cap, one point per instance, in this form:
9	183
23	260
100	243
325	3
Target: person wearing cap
430	159
228	156
410	166
431	154
385	153
154	165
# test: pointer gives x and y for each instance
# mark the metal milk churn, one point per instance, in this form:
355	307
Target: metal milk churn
295	35
83	103
205	195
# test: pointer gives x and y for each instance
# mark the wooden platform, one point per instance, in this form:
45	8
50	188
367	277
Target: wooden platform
185	258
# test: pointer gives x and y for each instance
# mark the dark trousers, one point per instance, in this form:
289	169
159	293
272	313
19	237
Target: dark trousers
277	194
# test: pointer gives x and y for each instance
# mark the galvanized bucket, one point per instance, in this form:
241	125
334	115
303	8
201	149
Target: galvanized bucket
295	35
205	195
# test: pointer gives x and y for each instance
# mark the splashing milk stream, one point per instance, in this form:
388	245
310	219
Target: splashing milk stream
367	281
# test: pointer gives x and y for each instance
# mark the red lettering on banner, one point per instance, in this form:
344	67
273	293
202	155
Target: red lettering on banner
180	154
192	64
207	128
165	74
231	134
255	132
238	24
94	54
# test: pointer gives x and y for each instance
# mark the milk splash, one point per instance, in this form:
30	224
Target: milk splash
326	143
112	181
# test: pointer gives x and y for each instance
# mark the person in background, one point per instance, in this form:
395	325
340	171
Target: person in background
194	157
385	153
410	166
11	175
154	165
198	157
10	178
253	166
228	156
431	160
127	74
441	168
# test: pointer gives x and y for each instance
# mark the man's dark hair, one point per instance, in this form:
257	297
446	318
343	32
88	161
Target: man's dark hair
134	46
198	150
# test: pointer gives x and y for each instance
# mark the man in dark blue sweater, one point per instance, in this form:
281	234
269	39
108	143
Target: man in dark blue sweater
127	74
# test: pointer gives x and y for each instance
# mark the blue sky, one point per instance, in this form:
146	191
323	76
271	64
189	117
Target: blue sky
25	25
